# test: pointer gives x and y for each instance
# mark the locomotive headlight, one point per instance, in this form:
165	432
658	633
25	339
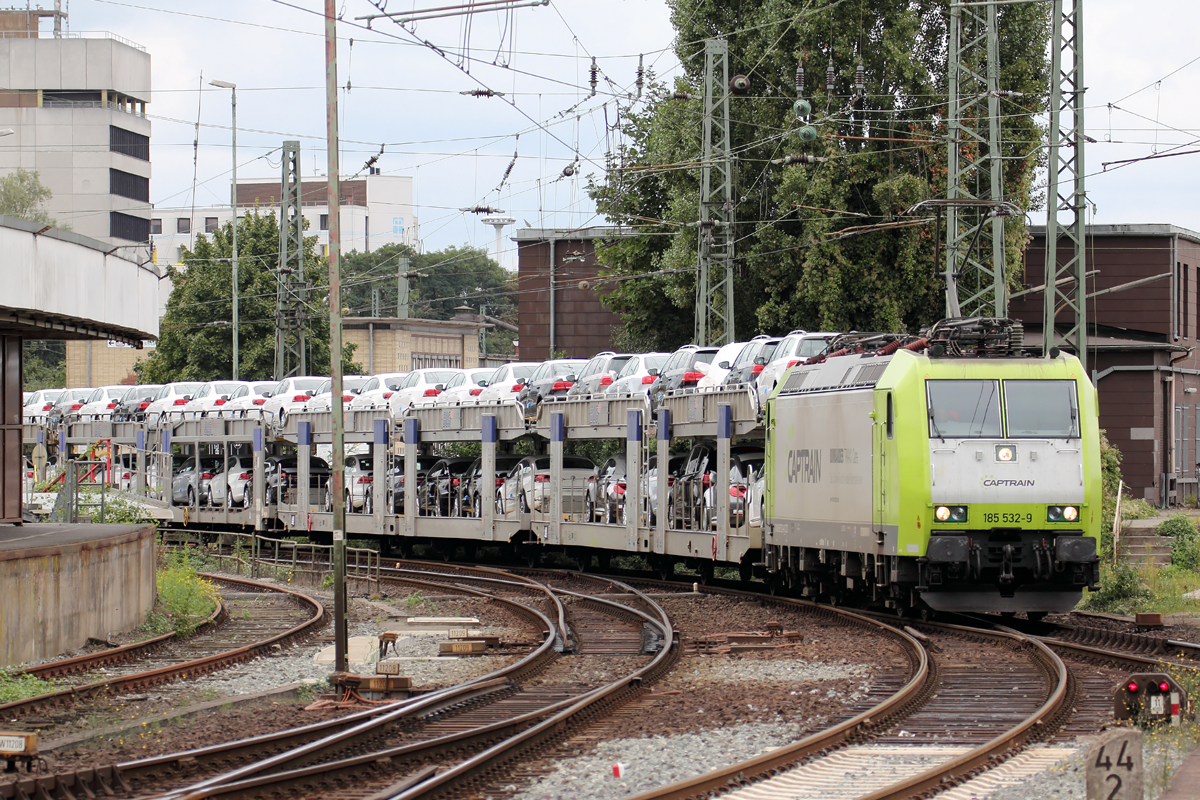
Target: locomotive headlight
1054	514
950	513
942	513
1070	513
1006	453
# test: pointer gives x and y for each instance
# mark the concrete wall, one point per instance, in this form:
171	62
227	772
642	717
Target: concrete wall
54	597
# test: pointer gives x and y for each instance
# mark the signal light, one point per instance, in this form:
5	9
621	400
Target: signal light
1062	513
541	478
143	406
793	362
758	368
112	405
218	402
77	406
300	398
386	395
258	401
1164	687
518	387
1132	686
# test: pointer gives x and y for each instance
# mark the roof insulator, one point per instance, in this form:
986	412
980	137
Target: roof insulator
829	77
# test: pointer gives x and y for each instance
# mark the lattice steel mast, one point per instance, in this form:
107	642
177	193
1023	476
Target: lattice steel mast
1065	190
975	274
714	279
292	294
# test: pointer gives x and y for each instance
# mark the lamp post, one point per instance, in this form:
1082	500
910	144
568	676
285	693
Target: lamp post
232	87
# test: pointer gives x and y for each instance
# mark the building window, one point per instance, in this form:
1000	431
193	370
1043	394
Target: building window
128	227
126	184
155	227
210	224
128	143
397	226
183	225
324	222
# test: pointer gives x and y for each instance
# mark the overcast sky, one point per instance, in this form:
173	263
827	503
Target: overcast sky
406	96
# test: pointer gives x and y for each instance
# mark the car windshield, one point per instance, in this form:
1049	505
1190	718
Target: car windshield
394	383
304	384
482	378
619	363
703	357
186	388
565	368
439	376
964	409
259	388
812	347
225	388
1041	408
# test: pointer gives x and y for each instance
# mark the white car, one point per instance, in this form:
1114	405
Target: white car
100	403
721	364
323	399
507	381
39	404
247	400
357	485
377	390
234	486
210	399
638	374
465	387
794	348
169	402
527	486
289	395
420	388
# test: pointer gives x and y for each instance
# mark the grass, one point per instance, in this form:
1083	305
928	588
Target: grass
185	598
15	687
1130	588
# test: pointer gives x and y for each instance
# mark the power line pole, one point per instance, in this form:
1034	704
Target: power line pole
975	258
292	292
714	279
402	289
1066	174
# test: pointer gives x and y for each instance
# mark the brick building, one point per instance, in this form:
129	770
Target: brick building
558	311
1141	347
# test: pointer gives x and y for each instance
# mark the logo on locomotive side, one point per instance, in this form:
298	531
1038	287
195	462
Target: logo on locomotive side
804	466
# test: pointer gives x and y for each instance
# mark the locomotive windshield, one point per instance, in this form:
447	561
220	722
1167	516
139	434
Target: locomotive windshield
964	409
1041	408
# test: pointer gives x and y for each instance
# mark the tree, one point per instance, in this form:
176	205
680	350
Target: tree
44	364
824	246
446	279
196	341
23	195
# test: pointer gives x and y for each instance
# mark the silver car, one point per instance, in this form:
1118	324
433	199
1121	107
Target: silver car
527	486
185	488
235	485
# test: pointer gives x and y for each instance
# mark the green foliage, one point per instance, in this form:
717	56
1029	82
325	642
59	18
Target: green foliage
186	598
14	686
191	348
1110	475
1121	590
447	279
1179	526
44	364
797	266
23	195
120	511
1185	553
327	581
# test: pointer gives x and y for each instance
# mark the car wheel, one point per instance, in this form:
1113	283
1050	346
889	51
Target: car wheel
328	500
524	503
191	497
229	497
609	516
348	506
246	496
500	503
282	418
456	508
476	507
589	509
620	520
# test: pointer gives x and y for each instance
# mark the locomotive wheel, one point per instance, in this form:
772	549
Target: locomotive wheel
745	571
706	570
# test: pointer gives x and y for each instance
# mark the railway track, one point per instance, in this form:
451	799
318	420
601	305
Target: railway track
252	619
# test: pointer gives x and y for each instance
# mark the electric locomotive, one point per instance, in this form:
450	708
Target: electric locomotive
948	473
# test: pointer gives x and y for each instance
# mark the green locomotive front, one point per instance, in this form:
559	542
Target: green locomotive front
950	483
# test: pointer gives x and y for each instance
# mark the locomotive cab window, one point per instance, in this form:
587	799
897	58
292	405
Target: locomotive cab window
964	409
1041	408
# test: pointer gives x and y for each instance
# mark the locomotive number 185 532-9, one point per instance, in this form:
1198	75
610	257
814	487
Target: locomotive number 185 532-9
1006	518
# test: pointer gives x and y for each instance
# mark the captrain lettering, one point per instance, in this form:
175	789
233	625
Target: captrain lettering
804	466
987	482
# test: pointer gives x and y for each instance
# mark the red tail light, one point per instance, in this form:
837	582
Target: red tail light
670	481
476	392
366	479
219	402
499	481
758	368
793	362
206	476
561	385
737	491
30	475
245	476
182	401
76	406
143	406
455	481
541	478
606	381
706	480
518	387
692	377
300	398
386	395
112	405
432	392
48	406
620	488
591	479
346	398
649	379
124	477
258	401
